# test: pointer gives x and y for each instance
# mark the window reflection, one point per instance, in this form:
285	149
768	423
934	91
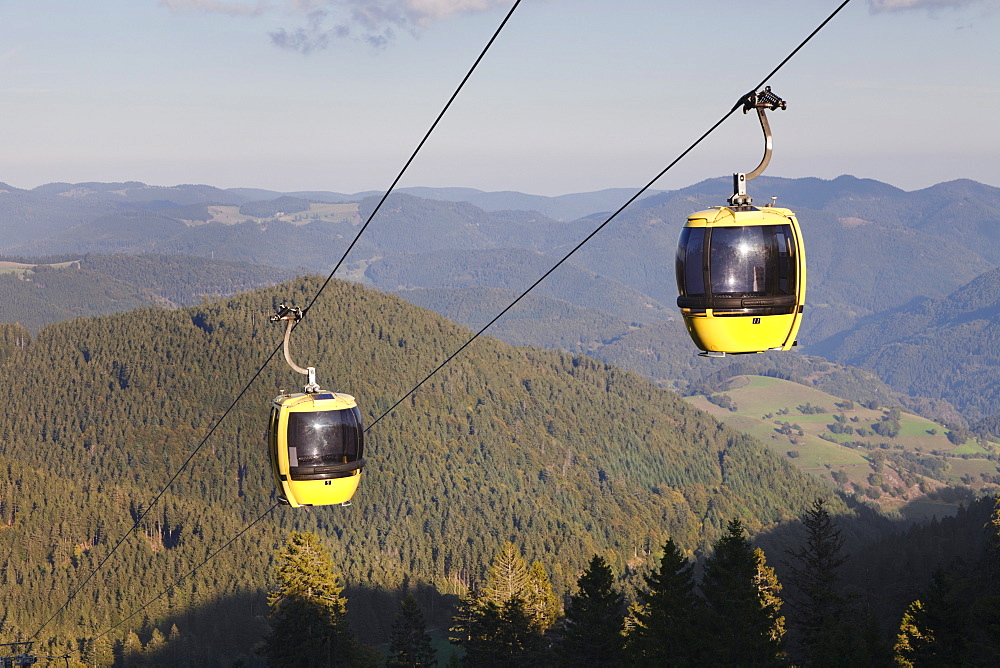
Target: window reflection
752	261
323	438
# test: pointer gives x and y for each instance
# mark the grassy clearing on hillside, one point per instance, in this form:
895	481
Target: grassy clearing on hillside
814	452
970	447
21	269
893	468
331	213
318	212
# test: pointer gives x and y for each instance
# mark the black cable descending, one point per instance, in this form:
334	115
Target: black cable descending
414	155
156	499
260	369
555	266
186	575
484	328
611	217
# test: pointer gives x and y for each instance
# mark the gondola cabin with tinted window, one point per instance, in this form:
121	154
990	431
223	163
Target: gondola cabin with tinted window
741	269
317	447
741	275
315	438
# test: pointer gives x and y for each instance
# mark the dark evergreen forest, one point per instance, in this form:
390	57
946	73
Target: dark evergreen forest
594	475
562	454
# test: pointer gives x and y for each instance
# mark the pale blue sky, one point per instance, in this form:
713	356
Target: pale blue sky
576	95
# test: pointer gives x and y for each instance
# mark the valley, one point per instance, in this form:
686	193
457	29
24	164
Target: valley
601	433
893	457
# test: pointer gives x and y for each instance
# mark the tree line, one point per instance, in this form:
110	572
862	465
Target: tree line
725	610
561	452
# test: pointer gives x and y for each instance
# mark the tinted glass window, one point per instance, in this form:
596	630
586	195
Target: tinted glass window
690	274
272	437
752	261
325	437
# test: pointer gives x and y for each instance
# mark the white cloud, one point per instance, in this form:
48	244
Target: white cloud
372	21
323	21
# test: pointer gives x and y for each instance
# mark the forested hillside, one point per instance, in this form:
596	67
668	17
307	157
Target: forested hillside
36	295
561	454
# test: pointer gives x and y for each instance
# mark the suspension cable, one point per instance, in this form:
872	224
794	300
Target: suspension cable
260	369
610	218
614	215
186	575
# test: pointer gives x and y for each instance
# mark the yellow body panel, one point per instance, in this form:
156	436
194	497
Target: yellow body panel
733	334
306	492
728	331
321	492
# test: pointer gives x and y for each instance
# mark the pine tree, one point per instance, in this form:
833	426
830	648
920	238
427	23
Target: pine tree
540	600
520	599
155	645
496	635
769	597
131	651
665	621
935	629
175	646
591	633
743	603
476	629
410	644
508	576
98	652
519	642
913	636
833	630
813	575
308	614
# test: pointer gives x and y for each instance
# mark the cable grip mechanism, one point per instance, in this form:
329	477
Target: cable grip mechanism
761	102
291	315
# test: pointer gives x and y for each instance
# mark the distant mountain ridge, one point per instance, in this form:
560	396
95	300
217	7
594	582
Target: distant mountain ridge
41	293
871	248
948	347
507	269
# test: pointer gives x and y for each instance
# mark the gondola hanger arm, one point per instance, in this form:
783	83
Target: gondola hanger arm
291	315
761	102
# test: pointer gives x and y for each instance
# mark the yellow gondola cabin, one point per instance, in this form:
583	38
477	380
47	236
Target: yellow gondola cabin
741	269
315	437
741	275
317	447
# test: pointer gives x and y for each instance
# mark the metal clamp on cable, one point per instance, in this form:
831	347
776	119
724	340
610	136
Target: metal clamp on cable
765	99
293	313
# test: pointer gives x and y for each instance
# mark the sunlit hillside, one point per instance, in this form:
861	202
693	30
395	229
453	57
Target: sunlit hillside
892	457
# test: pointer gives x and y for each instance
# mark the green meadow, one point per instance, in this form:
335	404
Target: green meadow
897	468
